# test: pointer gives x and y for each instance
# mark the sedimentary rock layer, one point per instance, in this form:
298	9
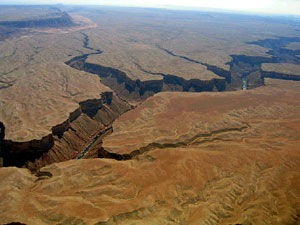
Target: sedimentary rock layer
140	90
68	139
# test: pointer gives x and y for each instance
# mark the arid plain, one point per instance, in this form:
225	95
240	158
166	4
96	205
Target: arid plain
137	116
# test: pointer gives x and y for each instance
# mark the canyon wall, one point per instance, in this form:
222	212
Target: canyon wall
69	139
140	90
281	76
2	134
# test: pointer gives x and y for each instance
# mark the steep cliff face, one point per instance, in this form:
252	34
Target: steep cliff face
245	70
61	19
69	139
16	153
140	90
281	76
2	134
249	68
27	18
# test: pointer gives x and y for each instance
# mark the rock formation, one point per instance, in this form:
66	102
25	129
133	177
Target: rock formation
56	20
192	158
176	158
68	139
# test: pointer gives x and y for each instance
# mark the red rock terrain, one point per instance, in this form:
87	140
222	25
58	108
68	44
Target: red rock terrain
68	139
188	158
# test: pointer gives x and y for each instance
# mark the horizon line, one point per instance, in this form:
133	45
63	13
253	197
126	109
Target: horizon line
164	7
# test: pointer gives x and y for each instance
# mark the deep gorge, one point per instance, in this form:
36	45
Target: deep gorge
93	119
67	140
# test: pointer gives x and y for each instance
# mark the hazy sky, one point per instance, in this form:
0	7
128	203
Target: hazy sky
262	6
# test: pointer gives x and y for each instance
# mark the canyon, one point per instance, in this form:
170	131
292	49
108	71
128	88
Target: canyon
178	158
38	153
130	129
68	139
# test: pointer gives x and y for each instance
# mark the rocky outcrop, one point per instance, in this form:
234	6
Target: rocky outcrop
69	138
60	19
281	76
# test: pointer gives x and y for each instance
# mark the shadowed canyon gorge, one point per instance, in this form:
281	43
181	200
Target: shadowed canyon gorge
103	115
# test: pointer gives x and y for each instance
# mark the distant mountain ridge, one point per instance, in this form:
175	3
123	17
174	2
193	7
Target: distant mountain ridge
34	17
63	20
